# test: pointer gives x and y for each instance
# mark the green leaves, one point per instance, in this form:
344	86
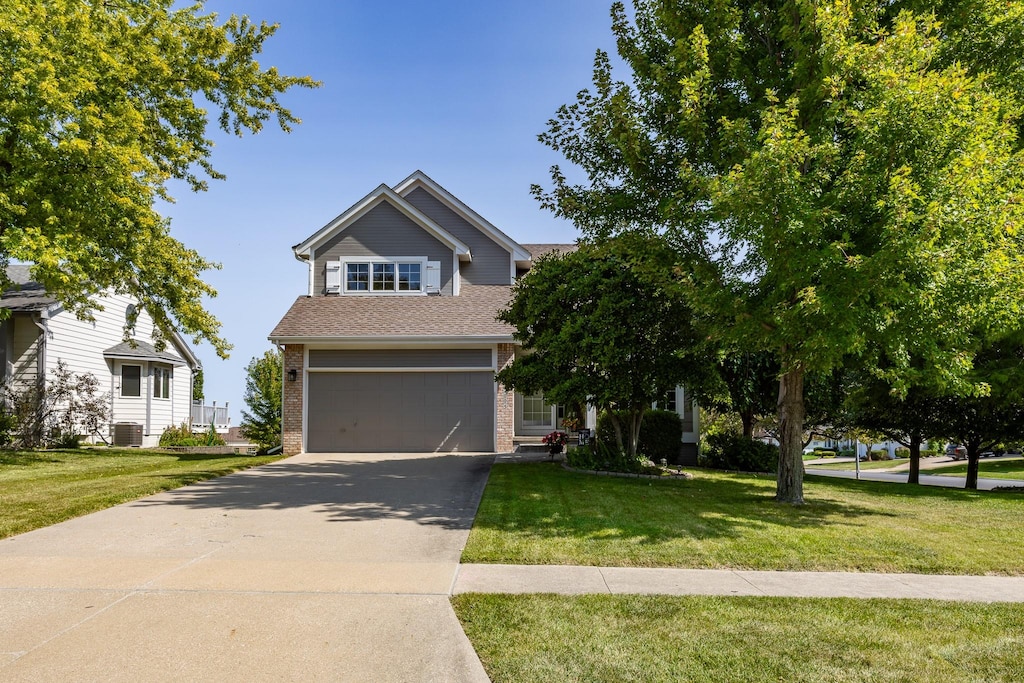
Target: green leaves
100	105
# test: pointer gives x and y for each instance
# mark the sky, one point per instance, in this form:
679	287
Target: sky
458	89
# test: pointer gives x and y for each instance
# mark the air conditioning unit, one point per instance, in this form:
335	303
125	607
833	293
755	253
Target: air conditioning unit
127	434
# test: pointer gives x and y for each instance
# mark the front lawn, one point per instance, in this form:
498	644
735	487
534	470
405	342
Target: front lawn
42	488
864	465
712	639
539	513
987	468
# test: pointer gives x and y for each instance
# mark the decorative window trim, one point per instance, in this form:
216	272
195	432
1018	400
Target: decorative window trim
342	282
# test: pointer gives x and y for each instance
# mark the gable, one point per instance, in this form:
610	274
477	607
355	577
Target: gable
382	232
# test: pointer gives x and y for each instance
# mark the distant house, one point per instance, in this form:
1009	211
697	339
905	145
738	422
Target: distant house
149	389
394	345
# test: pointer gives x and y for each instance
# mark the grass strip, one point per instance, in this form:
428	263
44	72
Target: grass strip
38	489
538	513
522	638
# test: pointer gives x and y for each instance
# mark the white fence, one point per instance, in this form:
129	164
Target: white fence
204	415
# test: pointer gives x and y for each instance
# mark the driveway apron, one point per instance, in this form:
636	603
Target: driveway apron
315	568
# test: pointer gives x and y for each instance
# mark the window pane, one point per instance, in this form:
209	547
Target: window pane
384	276
357	277
536	411
131	380
409	277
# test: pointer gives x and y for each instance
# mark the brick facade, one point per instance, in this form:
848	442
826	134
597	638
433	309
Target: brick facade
291	420
505	415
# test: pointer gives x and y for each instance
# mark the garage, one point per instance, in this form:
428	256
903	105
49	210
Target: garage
374	411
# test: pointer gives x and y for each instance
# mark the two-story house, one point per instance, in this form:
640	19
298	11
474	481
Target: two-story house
395	345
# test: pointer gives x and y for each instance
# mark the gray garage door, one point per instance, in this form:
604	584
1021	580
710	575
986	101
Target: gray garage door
374	412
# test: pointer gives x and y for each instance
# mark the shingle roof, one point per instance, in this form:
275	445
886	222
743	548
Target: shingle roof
471	314
29	297
538	250
141	351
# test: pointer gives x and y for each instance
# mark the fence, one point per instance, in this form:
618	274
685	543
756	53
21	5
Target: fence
203	416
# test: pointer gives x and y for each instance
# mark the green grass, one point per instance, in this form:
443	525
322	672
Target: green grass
991	469
743	639
864	465
42	488
541	514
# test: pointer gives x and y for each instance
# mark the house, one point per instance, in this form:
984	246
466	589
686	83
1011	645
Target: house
394	346
149	389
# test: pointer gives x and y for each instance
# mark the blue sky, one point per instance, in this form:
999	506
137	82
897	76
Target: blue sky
456	88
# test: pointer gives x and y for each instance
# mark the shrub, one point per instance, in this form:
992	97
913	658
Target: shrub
878	455
661	434
902	452
179	436
928	453
729	451
603	457
847	453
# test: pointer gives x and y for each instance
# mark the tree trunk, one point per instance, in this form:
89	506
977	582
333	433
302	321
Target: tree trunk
635	418
747	418
973	453
790	481
915	459
617	427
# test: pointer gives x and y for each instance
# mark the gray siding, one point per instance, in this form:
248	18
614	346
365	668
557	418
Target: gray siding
491	262
385	232
411	358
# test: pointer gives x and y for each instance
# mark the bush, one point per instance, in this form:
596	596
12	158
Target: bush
661	434
928	453
604	457
878	455
728	451
847	453
183	436
902	452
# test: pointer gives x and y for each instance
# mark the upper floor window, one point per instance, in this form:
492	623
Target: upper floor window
380	276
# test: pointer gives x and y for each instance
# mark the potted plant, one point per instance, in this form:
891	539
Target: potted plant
555	441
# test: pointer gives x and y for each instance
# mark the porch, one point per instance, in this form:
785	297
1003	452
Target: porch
203	415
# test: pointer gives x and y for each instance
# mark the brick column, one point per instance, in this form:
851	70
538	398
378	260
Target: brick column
506	406
291	419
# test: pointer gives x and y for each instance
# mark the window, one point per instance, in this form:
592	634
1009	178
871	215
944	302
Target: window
161	382
131	380
382	276
357	277
668	402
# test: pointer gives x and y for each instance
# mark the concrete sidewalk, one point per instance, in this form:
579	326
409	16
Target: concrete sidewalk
576	580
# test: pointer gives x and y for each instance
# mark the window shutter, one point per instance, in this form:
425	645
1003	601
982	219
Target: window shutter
333	284
433	277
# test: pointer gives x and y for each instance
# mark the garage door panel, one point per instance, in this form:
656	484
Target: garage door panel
400	411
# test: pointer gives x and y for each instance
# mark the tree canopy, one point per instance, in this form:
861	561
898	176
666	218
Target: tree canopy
606	325
101	104
837	178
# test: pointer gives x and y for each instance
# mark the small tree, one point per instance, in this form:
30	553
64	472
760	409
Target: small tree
605	325
70	404
263	396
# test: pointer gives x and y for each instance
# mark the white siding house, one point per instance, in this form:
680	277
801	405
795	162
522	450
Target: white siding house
148	389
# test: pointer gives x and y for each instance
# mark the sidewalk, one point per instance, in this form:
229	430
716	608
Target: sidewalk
576	580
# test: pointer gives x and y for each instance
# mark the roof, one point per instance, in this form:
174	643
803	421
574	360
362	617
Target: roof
29	296
538	250
469	316
141	351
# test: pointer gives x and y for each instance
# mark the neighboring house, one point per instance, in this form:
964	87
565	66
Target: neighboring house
149	390
395	345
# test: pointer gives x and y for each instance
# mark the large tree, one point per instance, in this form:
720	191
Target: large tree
606	325
263	395
839	178
101	104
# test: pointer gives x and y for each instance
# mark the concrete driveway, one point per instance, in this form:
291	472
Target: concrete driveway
315	568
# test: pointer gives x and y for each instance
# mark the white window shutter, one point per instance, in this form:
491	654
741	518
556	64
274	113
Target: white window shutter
433	280
333	284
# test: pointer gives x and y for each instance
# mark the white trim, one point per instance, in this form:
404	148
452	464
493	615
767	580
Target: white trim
305	396
120	375
382	193
421	179
370	260
456	276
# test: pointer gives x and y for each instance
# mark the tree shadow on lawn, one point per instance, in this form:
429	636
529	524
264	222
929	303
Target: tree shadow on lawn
435	490
713	505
